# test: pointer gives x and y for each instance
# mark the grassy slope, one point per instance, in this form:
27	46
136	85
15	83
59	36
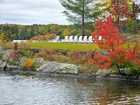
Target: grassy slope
72	46
65	46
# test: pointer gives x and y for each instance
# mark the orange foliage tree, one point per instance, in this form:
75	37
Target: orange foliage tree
119	9
111	43
44	37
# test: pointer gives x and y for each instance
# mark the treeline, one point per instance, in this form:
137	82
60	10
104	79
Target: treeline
11	32
22	32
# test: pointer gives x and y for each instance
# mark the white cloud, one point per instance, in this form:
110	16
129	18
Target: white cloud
32	12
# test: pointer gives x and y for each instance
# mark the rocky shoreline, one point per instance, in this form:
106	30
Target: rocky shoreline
57	69
65	73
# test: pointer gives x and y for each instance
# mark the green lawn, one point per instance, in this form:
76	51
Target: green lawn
64	46
72	46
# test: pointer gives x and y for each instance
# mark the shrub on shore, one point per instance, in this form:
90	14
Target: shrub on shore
29	63
42	53
8	45
1	55
23	46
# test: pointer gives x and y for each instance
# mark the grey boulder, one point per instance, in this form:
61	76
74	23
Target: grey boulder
55	67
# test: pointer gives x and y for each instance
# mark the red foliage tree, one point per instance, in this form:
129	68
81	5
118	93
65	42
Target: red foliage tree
119	9
111	43
109	33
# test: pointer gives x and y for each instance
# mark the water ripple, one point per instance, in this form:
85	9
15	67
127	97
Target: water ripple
22	90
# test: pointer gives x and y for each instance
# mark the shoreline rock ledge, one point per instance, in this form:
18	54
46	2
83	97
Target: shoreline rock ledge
56	67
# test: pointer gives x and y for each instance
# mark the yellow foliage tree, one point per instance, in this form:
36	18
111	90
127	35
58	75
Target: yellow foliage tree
66	32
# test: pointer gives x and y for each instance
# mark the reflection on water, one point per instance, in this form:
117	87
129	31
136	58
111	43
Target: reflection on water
21	90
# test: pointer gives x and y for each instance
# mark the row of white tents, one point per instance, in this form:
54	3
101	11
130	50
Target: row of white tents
70	39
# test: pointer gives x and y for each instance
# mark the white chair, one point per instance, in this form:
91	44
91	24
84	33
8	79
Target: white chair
100	38
65	39
71	39
57	39
90	39
75	39
80	39
85	39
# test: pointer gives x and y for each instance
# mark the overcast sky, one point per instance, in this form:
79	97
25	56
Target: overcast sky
32	12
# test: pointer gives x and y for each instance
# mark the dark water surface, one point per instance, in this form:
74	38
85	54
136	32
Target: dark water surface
22	90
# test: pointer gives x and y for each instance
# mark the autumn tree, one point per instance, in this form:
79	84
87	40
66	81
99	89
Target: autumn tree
119	9
2	36
8	32
66	32
111	42
44	37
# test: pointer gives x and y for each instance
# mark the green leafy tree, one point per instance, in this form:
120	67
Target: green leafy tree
78	11
101	9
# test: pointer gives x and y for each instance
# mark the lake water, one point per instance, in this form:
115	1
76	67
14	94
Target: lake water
23	90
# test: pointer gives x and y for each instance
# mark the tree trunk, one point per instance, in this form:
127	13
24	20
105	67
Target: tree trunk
119	69
118	21
83	18
5	66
